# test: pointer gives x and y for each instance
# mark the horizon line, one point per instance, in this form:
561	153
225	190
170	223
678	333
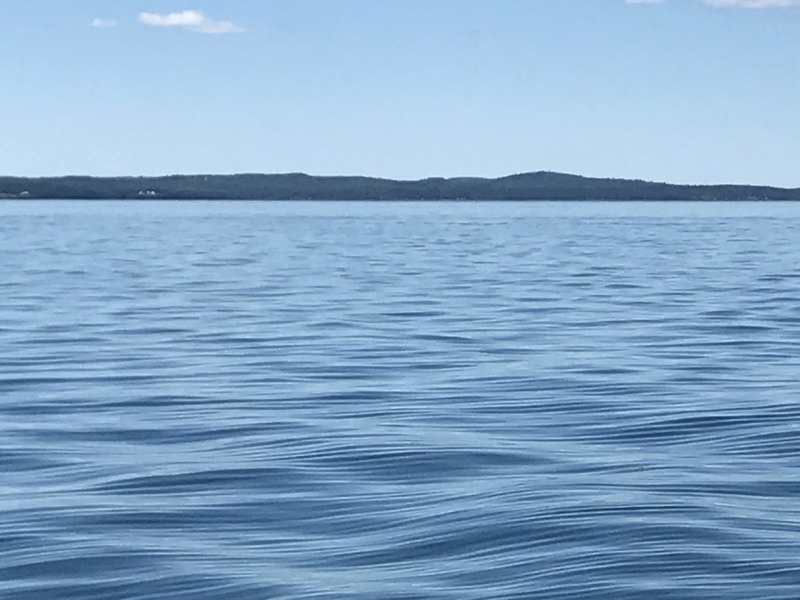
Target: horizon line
379	178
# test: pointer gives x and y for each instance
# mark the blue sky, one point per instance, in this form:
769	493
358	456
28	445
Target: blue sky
689	91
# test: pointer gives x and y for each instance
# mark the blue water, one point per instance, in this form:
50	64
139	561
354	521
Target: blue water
399	401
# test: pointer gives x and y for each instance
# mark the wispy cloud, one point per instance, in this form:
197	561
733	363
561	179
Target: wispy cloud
753	3
103	23
731	3
191	20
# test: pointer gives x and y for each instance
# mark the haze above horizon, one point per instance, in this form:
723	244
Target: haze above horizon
685	91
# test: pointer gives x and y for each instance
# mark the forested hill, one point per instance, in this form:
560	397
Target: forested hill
527	186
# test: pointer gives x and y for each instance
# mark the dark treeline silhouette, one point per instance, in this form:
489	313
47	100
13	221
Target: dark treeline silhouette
543	185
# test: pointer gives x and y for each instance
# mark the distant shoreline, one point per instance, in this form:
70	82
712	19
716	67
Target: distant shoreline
540	186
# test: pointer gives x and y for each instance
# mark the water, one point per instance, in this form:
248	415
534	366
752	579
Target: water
399	401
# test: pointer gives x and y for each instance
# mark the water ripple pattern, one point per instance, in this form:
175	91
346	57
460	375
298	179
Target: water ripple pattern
399	401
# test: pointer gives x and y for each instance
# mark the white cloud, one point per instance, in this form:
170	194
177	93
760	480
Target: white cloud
191	20
643	1
103	23
753	3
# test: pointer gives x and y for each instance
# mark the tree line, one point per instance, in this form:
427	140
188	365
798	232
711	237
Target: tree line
542	185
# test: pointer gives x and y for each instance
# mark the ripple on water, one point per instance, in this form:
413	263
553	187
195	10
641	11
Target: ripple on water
448	401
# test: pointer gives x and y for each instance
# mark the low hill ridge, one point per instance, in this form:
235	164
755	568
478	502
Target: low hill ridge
539	185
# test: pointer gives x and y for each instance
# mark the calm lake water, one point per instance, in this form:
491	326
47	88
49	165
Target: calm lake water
399	400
